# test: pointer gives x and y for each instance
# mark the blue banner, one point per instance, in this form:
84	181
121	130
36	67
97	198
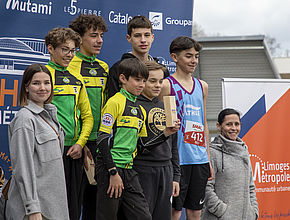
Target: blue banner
25	23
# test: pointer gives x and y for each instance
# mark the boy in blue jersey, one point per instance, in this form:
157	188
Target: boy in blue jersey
193	135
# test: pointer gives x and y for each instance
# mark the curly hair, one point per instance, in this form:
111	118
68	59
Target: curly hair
83	23
60	35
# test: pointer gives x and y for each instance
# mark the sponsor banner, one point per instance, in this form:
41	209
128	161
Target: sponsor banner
9	91
25	23
264	105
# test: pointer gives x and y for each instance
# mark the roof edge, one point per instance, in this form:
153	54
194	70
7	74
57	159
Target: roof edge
231	38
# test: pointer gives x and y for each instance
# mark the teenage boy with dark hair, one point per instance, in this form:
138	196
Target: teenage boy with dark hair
91	28
140	36
121	125
193	135
73	110
157	161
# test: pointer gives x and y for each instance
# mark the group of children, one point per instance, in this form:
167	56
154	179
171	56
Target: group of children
116	118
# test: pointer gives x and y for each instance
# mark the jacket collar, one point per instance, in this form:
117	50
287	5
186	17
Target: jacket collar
86	58
228	146
128	95
56	66
145	99
36	109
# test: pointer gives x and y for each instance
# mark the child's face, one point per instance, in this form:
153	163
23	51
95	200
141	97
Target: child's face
92	42
153	84
134	85
62	54
141	40
186	60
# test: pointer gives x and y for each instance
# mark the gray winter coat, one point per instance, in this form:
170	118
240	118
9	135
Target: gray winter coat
231	194
38	181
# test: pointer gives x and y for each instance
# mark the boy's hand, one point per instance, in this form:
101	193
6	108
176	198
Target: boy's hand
175	191
116	186
75	151
169	131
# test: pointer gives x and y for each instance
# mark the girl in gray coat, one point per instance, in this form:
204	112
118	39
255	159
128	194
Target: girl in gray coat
37	190
231	193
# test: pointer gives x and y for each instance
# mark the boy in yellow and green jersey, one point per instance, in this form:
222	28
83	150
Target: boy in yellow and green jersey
73	111
91	29
122	123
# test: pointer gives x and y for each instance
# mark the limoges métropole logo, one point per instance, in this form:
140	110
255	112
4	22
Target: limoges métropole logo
270	176
157	20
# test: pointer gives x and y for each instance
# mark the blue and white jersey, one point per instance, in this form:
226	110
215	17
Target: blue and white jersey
191	137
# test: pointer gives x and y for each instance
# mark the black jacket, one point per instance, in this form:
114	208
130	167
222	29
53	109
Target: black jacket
155	149
113	83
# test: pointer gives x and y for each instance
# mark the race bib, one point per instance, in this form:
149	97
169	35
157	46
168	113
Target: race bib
194	133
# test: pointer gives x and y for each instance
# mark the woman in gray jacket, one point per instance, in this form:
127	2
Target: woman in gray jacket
231	193
37	190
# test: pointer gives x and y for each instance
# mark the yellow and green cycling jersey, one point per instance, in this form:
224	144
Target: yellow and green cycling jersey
125	121
95	74
73	107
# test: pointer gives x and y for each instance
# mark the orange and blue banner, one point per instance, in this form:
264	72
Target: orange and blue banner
265	109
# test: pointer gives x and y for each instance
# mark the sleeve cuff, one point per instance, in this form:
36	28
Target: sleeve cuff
110	165
176	178
221	211
32	207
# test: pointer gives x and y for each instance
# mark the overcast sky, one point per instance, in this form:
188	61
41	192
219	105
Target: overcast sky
245	17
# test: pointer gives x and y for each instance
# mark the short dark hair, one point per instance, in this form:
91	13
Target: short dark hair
26	80
133	67
60	35
153	65
184	43
140	21
225	112
83	23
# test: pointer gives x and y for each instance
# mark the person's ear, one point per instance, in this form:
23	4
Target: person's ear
218	126
122	78
173	57
50	49
128	37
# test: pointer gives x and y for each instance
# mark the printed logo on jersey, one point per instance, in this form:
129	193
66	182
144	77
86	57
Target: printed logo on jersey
86	81
192	110
75	90
133	110
125	121
107	120
92	71
139	124
57	90
156	120
157	20
102	81
65	80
